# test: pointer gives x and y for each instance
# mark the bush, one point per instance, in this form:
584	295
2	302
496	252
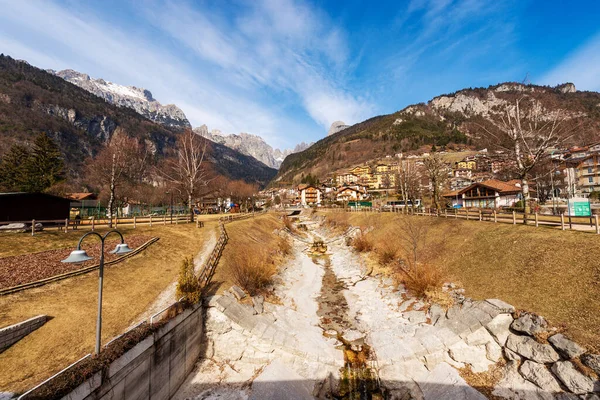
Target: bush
251	267
425	279
288	223
387	254
285	247
188	285
362	243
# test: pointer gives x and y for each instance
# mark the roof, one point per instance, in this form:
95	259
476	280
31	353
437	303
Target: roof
497	185
306	186
452	193
81	196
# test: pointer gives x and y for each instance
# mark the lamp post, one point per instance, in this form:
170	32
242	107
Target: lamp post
79	256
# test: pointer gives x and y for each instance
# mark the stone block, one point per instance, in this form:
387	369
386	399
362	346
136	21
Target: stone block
565	347
540	375
574	380
532	350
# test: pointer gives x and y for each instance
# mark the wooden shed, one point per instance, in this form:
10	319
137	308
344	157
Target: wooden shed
23	207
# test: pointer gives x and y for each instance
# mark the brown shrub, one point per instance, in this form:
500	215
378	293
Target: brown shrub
362	243
388	253
188	285
251	267
285	247
288	223
426	278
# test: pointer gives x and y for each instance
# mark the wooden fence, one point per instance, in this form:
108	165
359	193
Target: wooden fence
562	221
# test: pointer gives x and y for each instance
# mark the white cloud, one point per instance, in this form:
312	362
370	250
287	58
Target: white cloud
580	67
231	98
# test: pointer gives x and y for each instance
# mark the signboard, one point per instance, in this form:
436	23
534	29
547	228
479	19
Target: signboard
579	207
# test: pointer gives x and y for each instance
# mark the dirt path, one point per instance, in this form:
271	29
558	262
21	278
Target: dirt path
342	334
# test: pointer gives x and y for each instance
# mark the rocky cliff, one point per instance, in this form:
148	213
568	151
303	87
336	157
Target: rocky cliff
138	99
251	145
451	121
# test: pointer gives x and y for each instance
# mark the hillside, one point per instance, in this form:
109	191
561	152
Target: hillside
33	101
453	121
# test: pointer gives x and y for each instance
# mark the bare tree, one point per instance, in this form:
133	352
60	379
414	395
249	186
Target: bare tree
412	234
188	170
122	161
437	172
526	133
408	182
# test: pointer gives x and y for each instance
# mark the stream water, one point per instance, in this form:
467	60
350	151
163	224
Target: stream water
358	377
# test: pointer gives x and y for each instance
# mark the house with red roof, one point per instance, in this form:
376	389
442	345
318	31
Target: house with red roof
491	193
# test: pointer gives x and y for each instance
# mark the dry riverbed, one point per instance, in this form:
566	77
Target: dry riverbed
340	333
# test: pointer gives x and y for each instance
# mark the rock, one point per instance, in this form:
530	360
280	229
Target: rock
416	317
493	351
574	380
238	292
217	322
529	348
539	374
589	396
501	305
565	347
592	361
330	333
336	127
531	324
479	337
511	355
353	335
444	382
277	381
435	313
499	327
513	386
258	303
475	356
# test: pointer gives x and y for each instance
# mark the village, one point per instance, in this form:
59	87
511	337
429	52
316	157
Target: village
477	179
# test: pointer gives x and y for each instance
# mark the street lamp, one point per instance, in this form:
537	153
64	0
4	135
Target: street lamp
79	256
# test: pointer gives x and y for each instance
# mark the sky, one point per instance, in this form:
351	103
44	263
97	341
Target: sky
287	69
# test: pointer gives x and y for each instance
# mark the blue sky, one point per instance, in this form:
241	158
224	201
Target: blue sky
286	69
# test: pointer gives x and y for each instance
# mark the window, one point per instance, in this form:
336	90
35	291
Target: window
591	179
590	170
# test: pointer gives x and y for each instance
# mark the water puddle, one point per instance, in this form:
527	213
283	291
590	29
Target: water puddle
358	377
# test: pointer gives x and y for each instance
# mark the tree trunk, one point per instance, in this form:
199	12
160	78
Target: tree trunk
191	207
525	192
111	200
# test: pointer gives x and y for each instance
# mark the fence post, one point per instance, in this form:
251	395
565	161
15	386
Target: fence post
514	218
597	226
536	219
66	225
480	216
445	213
116	222
467	214
455	213
495	219
134	222
562	221
150	221
33	225
93	221
165	219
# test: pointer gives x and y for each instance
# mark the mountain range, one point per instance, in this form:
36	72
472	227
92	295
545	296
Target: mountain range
81	123
451	121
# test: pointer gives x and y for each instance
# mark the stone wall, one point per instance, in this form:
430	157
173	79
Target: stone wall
12	334
154	369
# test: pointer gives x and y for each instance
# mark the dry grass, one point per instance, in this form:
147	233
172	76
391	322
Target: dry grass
362	242
550	272
130	288
252	255
426	281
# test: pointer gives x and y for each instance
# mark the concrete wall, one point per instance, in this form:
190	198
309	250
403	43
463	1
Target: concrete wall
155	368
14	333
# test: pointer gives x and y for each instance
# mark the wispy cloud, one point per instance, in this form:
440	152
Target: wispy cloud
580	67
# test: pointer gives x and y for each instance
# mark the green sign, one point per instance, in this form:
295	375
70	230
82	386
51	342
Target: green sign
360	204
579	207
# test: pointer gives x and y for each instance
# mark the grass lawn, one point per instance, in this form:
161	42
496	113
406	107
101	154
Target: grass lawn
551	272
129	288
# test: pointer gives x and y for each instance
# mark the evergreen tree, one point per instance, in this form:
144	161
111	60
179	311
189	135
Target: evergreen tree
44	168
12	169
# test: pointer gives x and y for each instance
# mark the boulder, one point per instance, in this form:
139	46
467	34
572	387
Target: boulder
499	327
539	374
258	303
592	361
530	324
501	305
574	380
565	347
475	356
513	386
238	292
511	355
532	350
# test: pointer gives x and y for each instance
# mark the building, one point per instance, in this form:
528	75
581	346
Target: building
309	195
84	204
352	193
466	164
22	207
487	194
361	170
345	177
585	172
